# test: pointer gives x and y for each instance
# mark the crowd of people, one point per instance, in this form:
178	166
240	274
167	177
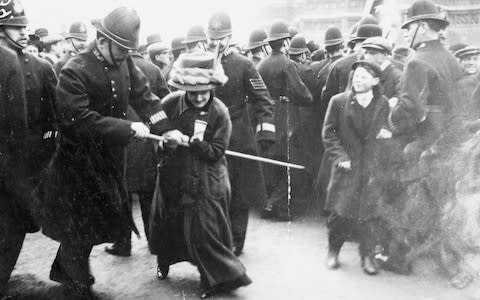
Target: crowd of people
91	124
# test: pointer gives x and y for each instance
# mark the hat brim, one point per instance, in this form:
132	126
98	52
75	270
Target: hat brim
279	37
218	35
376	47
192	88
296	51
194	40
333	42
425	17
81	37
376	70
99	27
255	46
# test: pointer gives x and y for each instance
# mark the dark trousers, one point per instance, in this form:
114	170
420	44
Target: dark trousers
73	260
239	219
342	229
12	236
145	200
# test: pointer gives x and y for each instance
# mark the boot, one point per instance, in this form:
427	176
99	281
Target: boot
369	266
120	249
332	260
162	271
57	274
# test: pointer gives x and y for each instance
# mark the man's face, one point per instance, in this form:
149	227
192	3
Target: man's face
471	64
78	45
199	99
222	44
57	48
411	32
17	34
196	47
375	56
363	81
114	54
164	57
32	50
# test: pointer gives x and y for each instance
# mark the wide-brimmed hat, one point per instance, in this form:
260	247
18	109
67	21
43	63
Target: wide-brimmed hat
373	68
120	26
424	10
78	30
52	39
157	48
298	45
467	51
378	43
153	38
197	72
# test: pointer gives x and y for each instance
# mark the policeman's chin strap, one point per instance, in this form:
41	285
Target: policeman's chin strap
412	43
74	48
114	62
12	41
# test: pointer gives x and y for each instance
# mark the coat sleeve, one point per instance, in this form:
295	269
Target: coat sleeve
331	129
145	103
262	103
15	93
415	90
331	85
297	92
75	111
49	114
213	150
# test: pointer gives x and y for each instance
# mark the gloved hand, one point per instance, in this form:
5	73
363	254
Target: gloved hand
199	146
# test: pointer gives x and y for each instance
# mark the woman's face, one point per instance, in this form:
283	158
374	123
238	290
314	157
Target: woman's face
199	99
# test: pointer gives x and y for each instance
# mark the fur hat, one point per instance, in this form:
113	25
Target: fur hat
197	72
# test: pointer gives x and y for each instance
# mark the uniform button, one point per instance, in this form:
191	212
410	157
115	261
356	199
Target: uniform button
27	60
113	107
29	74
114	95
113	89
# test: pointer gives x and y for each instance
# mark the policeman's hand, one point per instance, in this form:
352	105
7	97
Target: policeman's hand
345	165
265	145
140	130
392	102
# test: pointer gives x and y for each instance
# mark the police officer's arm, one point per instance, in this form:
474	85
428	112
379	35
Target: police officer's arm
415	90
296	90
213	150
74	110
262	103
331	85
145	103
331	125
162	87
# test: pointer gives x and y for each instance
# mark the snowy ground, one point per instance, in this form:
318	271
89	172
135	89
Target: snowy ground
285	261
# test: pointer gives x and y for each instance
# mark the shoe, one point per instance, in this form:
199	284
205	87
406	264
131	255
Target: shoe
162	272
116	250
332	260
243	280
369	266
58	275
237	251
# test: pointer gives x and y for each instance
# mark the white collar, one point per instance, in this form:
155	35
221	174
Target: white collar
385	64
364	99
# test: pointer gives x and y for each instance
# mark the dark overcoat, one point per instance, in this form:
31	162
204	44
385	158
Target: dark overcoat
13	132
288	92
244	82
190	221
351	194
83	193
390	81
428	92
62	61
338	77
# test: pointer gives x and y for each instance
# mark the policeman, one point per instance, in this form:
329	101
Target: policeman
28	133
83	194
244	81
303	134
160	55
256	48
288	92
141	160
196	40
76	42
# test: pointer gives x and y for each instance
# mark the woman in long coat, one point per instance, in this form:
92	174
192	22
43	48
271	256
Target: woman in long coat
189	219
354	127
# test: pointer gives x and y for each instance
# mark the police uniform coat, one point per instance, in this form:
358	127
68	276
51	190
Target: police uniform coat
245	82
428	92
82	196
390	81
190	219
13	147
62	61
142	158
349	133
40	84
286	88
338	77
